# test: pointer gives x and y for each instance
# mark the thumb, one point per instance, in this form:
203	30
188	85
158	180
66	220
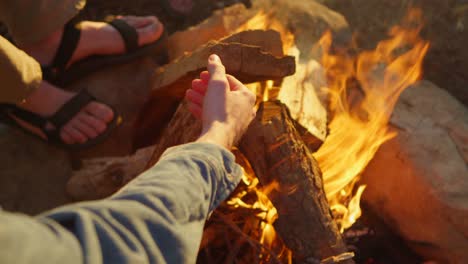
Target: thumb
217	72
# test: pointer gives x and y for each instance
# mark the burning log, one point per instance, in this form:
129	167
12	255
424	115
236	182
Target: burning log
278	155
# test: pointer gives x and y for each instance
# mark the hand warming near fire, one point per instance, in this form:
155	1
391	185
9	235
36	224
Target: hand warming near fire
159	216
223	103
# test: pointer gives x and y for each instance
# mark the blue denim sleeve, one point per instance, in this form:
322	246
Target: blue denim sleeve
156	218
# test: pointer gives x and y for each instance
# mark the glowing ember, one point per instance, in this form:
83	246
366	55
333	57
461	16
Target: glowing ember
356	132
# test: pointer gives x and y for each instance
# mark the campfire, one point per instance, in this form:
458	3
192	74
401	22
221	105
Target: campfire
324	110
285	209
358	126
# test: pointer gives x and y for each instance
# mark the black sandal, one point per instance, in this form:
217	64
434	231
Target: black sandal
57	73
58	120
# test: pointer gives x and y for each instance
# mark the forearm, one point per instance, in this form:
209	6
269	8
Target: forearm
159	216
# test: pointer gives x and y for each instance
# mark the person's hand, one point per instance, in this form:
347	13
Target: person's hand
223	103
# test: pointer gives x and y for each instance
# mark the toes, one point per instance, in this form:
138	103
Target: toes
75	134
138	21
150	31
87	124
66	137
98	125
100	111
84	127
149	28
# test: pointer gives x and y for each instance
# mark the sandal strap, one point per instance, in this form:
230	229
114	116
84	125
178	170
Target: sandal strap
68	44
128	33
8	110
70	109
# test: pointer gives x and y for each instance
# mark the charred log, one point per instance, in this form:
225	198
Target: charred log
278	155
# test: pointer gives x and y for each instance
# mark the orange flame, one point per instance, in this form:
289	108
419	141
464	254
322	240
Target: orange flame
357	128
357	131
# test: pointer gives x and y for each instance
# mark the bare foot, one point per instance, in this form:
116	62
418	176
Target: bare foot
90	122
97	38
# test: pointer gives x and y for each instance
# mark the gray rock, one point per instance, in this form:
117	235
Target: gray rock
418	181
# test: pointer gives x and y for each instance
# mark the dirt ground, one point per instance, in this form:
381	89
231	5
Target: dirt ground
446	28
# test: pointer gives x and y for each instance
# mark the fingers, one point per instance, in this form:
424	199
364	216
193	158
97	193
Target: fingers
199	86
194	97
205	76
195	109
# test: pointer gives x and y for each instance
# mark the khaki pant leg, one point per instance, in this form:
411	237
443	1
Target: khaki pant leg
20	74
29	21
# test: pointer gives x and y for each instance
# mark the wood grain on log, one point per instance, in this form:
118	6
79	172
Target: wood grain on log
248	63
278	155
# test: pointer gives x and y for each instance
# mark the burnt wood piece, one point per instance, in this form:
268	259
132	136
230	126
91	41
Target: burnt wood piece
279	156
248	63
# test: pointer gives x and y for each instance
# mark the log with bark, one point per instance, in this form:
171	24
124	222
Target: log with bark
278	155
248	63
